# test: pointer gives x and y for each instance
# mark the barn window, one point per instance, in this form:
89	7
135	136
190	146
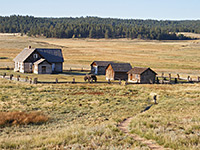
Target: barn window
35	56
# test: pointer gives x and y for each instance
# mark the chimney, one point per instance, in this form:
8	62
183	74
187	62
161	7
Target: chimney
29	47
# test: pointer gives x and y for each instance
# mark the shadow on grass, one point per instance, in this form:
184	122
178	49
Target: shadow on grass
78	73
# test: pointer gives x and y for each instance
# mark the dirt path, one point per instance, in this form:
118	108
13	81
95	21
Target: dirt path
150	143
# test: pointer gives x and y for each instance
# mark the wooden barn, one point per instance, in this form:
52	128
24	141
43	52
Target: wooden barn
117	71
39	61
99	67
141	75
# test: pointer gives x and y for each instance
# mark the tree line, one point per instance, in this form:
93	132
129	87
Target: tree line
94	27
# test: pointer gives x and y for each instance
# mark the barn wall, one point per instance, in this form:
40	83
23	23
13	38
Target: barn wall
101	70
110	75
58	67
148	77
135	78
121	75
27	68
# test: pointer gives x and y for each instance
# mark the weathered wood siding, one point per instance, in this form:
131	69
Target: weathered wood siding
58	67
121	76
38	68
147	77
28	68
134	78
110	74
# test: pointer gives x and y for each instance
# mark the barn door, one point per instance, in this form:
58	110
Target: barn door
44	69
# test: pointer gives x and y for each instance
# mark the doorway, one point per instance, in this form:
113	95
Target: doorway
44	68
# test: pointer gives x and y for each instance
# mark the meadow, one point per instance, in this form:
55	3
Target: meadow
86	116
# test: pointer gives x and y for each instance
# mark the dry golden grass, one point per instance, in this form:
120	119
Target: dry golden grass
22	118
163	56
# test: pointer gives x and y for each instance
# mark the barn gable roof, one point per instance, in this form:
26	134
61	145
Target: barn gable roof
24	54
121	67
102	63
139	70
51	55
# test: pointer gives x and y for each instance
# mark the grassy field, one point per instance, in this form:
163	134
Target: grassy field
86	116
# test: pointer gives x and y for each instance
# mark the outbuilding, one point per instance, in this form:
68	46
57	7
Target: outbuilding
99	67
141	75
117	71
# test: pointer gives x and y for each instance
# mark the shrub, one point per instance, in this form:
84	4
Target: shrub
22	118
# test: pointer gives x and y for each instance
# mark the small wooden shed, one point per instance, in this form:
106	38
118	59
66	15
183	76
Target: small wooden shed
117	71
99	67
141	75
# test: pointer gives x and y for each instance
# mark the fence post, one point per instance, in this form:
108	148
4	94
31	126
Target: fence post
175	80
56	80
198	78
162	75
18	76
81	69
4	75
109	81
188	78
30	80
178	76
126	82
11	76
157	80
35	81
73	80
26	79
170	77
120	82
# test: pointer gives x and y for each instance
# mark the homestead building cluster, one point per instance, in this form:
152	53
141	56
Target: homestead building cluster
48	61
123	71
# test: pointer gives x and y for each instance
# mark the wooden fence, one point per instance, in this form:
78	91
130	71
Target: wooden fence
163	79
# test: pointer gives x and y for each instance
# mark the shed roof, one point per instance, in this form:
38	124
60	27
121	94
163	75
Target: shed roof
102	63
121	67
40	61
51	55
139	70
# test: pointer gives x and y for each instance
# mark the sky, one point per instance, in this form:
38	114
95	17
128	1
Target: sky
125	9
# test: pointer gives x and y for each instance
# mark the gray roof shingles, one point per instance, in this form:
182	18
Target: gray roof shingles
102	63
121	67
139	70
51	55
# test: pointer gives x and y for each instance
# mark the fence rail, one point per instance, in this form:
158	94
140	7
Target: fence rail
159	80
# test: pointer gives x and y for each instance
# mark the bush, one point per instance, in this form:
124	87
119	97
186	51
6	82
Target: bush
21	118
